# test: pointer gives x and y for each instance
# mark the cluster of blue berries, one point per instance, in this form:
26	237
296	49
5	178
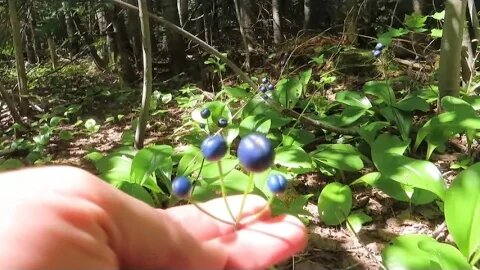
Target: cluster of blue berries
205	114
255	153
377	52
266	86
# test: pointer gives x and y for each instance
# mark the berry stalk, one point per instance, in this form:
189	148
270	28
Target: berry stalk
224	192
245	193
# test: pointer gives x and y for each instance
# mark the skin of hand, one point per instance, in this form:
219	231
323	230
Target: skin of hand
67	218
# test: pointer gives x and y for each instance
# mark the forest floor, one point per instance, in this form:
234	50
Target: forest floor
329	247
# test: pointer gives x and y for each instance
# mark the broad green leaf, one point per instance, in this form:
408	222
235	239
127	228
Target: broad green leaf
462	210
190	162
236	181
474	101
436	32
439	15
404	123
357	219
299	137
370	131
218	110
396	190
305	77
166	98
386	38
445	255
211	170
288	92
55	121
343	157
404	253
136	191
260	180
453	104
259	106
255	123
407	171
380	89
415	21
237	92
90	124
297	206
93	156
348	116
10	164
114	169
354	99
147	160
334	203
292	157
413	103
65	135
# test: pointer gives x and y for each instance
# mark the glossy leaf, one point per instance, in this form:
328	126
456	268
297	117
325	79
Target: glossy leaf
413	103
407	171
234	180
147	160
237	92
462	210
255	124
357	219
293	157
348	116
339	156
136	191
259	106
10	164
380	89
445	255
334	203
370	131
211	171
305	77
288	92
298	137
354	99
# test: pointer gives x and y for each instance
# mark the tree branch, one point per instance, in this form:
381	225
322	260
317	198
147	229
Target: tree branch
305	120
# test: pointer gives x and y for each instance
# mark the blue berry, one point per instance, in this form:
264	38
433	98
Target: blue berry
205	113
379	46
222	122
277	183
376	53
262	88
214	148
181	186
255	153
271	87
265	80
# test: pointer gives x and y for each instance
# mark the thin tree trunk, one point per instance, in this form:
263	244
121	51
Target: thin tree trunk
19	61
99	62
451	49
417	6
72	37
351	20
474	24
307	14
147	74
182	6
53	52
11	105
123	47
32	25
277	26
175	42
110	30
207	6
468	58
28	44
135	34
241	26
102	30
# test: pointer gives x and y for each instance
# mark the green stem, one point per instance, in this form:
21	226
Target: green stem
245	193
259	214
475	258
224	191
210	215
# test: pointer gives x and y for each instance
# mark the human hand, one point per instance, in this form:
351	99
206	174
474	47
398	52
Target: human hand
66	218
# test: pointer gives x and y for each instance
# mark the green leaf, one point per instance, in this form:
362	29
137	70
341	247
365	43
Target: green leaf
404	253
370	131
343	157
237	92
439	15
10	164
386	38
166	98
354	99
305	77
356	220
55	121
235	181
65	135
288	92
147	160
93	156
413	103
218	110
462	210
299	137
415	21
211	171
90	124
445	255
334	203
293	157
474	101
436	33
258	106
396	190
404	123
407	171
136	191
348	116
114	169
380	89
255	123
189	163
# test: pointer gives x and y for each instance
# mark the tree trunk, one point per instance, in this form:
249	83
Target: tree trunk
19	61
277	26
474	24
52	50
244	22
307	14
451	48
147	74
72	37
28	44
32	26
135	34
110	30
99	62
417	6
351	21
123	47
207	9
468	59
102	30
10	105
182	6
175	42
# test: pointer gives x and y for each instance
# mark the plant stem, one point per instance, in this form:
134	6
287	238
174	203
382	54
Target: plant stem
245	193
263	211
475	258
224	191
210	215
